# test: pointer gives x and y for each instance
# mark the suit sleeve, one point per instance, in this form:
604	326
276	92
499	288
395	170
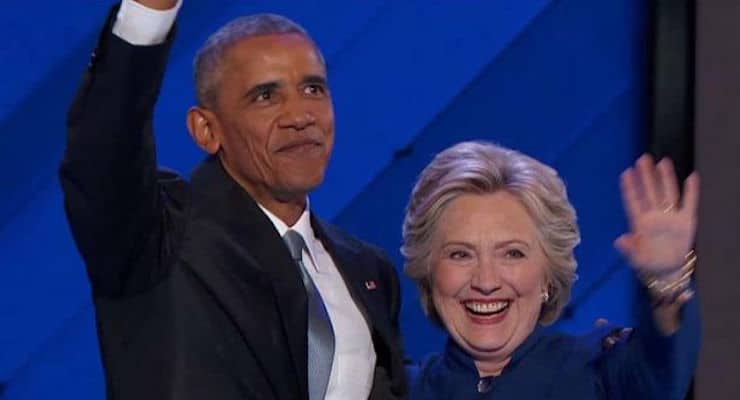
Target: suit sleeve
108	173
650	365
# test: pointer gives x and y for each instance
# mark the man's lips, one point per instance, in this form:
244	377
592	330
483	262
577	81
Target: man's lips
299	144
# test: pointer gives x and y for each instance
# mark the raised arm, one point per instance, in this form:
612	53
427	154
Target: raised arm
108	173
663	228
659	359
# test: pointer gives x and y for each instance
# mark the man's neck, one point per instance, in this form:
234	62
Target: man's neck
288	212
286	208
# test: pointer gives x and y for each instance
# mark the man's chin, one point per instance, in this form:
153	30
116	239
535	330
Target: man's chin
291	191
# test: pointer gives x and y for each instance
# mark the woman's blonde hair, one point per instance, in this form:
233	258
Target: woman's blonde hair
484	168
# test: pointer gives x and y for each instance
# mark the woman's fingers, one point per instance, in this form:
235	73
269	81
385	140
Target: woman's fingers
651	192
631	196
668	183
625	244
690	202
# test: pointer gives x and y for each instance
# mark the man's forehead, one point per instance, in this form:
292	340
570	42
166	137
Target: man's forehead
291	45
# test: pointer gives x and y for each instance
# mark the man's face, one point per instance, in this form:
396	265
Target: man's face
275	116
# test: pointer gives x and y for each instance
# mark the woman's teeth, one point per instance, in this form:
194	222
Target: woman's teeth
487	308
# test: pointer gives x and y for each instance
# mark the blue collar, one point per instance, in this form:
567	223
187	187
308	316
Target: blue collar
456	358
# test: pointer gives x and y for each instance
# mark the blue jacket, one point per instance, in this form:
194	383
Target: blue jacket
549	365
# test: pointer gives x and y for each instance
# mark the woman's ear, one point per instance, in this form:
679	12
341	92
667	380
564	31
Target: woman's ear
203	125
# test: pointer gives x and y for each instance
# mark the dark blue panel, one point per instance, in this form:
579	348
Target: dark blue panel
43	280
66	367
569	91
561	80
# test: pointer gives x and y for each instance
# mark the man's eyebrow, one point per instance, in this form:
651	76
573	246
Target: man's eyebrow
261	88
314	79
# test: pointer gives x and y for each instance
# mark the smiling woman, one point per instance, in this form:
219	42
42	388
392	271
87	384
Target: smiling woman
489	276
489	237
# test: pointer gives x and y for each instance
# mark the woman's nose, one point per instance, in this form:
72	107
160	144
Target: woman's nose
486	278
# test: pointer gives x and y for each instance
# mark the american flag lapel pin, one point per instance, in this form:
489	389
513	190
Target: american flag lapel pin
370	285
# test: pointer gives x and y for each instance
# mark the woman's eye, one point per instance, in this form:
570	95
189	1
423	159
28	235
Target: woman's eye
514	253
459	255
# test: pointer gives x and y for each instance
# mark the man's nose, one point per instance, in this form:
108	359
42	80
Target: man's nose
297	116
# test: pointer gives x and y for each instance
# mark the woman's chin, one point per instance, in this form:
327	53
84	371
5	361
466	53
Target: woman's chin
488	335
488	344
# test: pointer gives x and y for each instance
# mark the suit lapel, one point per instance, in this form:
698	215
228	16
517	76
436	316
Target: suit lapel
260	252
357	276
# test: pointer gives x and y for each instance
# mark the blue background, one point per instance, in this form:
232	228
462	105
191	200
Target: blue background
564	81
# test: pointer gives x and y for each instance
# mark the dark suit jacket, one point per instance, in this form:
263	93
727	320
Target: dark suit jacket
196	294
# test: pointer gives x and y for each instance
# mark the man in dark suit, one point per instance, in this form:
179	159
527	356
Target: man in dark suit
227	286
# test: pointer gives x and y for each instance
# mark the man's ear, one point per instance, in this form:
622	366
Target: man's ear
203	127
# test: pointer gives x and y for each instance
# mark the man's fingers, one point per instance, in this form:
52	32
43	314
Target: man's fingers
158	4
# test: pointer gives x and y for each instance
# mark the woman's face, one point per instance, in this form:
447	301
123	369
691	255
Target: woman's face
488	274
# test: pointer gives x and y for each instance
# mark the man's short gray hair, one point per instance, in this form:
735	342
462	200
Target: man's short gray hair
208	59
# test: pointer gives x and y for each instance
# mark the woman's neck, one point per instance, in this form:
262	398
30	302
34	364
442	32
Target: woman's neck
492	367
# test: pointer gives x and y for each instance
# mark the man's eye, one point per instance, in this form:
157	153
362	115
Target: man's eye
314	90
264	96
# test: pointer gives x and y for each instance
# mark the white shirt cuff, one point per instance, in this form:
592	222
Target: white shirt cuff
143	26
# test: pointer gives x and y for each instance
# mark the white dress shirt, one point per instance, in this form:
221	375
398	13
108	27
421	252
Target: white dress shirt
353	366
354	354
143	26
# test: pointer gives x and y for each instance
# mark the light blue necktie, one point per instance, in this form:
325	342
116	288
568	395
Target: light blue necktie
320	331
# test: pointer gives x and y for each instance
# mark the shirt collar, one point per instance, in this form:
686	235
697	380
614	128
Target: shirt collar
302	226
